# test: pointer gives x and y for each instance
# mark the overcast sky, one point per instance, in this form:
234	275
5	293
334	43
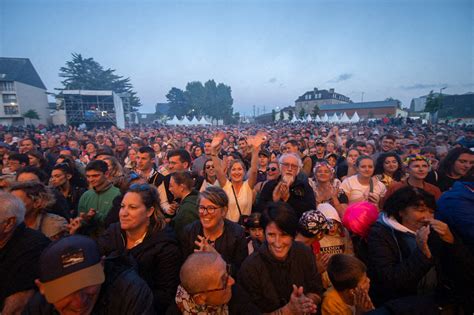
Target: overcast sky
269	52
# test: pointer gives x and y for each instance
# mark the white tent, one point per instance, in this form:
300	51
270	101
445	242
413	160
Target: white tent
173	121
308	118
185	121
194	121
317	119
355	118
294	119
334	118
325	118
344	118
203	122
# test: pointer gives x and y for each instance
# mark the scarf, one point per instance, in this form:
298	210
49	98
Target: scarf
187	306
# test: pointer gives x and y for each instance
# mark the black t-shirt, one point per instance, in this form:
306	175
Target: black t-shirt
19	261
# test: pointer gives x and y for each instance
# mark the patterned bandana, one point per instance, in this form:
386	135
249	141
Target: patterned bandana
187	306
416	157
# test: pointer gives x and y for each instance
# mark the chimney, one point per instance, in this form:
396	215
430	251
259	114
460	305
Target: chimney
315	90
331	91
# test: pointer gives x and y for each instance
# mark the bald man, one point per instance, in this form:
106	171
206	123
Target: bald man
207	286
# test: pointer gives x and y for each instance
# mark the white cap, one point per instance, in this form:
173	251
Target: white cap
329	212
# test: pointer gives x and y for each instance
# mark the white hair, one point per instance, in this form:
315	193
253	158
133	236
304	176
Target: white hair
286	155
11	206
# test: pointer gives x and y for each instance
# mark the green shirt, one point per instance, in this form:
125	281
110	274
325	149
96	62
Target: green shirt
101	202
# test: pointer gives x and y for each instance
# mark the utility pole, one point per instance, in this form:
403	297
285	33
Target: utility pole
253	111
362	98
264	109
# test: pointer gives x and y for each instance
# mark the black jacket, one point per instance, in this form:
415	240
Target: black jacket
122	293
158	258
301	196
232	244
269	281
19	261
395	270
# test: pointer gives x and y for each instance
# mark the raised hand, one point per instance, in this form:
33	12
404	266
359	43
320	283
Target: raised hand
217	139
299	303
422	240
443	230
257	140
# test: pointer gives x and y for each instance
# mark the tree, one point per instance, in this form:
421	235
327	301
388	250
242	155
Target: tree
399	103
433	102
274	115
178	104
87	74
290	115
302	113
282	116
315	111
31	114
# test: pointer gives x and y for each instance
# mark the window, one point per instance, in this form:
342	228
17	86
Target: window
9	98
7	86
11	110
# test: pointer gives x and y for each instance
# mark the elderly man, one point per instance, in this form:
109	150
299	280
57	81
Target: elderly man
74	280
289	187
20	249
208	288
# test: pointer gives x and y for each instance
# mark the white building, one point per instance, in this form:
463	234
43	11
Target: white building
21	90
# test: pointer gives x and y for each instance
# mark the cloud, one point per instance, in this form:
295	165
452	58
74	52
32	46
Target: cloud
272	80
421	86
342	77
467	84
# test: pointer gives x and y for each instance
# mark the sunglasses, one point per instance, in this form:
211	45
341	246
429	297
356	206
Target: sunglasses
209	167
273	169
224	283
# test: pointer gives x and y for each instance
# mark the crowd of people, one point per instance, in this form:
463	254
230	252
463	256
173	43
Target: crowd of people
308	218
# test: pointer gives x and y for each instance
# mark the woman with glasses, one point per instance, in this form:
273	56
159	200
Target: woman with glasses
143	234
238	190
210	176
281	275
273	172
213	232
327	188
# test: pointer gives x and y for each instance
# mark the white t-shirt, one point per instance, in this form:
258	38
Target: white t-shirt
356	192
245	198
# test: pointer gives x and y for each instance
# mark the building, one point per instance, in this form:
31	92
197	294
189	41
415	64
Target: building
308	100
457	107
92	108
418	104
378	109
21	90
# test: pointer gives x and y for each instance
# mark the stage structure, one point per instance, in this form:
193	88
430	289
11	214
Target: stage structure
93	108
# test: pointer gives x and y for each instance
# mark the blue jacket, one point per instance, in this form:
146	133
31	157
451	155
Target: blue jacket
456	208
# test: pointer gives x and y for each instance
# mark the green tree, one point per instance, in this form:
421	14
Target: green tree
302	113
290	115
274	115
399	103
433	102
282	116
315	110
87	74
178	104
31	114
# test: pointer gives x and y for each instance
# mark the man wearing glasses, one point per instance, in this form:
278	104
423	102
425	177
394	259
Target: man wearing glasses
289	187
208	288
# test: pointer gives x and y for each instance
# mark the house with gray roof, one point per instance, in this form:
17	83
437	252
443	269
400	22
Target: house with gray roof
21	89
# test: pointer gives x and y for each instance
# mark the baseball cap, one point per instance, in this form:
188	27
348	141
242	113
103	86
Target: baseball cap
253	221
4	145
413	143
329	212
68	265
312	223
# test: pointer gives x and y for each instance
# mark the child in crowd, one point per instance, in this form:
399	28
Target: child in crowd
349	294
255	232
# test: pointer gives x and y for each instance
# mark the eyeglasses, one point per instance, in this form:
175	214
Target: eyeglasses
208	209
209	167
224	283
273	169
290	166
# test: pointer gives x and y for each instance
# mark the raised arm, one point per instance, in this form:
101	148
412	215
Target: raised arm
255	142
215	144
